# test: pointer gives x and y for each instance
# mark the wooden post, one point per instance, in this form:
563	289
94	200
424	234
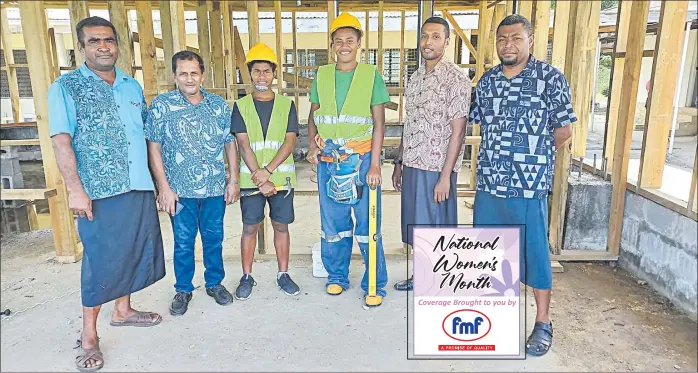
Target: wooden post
379	56
525	8
331	11
65	237
541	29
202	33
278	30
510	6
119	18
665	73
295	54
146	42
571	31
560	27
229	50
253	21
9	61
626	120
78	11
617	68
217	45
55	65
499	14
428	9
240	56
459	31
483	44
172	25
583	57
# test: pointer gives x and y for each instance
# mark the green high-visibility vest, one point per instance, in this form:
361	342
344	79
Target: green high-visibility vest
265	149
355	122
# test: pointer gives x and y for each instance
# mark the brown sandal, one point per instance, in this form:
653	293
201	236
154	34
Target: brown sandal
94	354
139	319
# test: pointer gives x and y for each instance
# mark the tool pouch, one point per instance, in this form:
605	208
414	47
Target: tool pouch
344	185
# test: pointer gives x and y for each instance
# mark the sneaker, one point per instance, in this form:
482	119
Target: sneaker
287	285
220	294
180	304
244	290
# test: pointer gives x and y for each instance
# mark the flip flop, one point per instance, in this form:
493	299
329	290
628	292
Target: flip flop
139	319
89	354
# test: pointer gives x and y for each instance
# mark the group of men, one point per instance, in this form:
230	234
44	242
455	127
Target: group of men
122	160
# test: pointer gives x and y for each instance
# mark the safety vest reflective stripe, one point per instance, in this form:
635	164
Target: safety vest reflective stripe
282	168
259	145
343	119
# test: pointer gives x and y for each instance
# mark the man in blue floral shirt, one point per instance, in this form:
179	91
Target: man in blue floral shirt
525	111
188	131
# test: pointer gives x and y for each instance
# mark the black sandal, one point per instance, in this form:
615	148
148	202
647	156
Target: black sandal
541	339
404	285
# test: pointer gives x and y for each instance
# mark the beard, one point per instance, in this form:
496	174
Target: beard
508	62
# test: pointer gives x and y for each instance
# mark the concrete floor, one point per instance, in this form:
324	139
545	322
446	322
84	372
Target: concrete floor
604	319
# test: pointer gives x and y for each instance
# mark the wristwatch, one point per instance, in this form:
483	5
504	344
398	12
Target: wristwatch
397	161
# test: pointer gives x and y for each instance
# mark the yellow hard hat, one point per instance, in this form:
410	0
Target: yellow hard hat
346	20
261	52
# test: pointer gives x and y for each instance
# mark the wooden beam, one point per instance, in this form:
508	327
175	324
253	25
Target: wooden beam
510	6
583	57
26	194
278	31
202	34
499	12
172	25
229	46
240	56
617	68
294	55
558	202
217	44
9	61
253	22
540	30
146	42
560	27
78	11
571	31
459	32
55	65
427	10
626	120
665	74
379	57
119	18
525	8
583	256
26	142
484	20
63	228
331	11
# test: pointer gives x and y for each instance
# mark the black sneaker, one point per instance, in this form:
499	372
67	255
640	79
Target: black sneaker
287	285
244	290
180	304
220	294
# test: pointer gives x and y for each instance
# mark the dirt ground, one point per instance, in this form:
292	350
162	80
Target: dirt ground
605	320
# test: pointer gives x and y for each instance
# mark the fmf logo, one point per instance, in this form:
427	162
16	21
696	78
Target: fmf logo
466	325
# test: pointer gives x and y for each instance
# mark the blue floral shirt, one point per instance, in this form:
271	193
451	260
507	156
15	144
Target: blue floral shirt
517	118
106	125
193	139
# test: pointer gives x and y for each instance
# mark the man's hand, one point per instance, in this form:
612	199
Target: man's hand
81	204
267	189
260	176
441	190
397	178
373	178
232	193
313	152
167	199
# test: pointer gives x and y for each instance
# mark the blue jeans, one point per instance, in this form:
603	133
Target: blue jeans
337	232
205	215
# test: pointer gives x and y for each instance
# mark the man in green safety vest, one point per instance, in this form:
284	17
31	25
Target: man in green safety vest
346	126
265	125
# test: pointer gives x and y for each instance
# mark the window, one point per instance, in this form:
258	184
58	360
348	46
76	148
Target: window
23	81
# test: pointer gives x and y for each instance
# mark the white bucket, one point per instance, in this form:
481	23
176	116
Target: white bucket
318	267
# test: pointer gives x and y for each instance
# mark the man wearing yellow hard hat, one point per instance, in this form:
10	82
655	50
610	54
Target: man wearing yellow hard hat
265	126
346	122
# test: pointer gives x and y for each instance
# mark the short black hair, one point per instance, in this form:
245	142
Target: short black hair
440	21
515	19
251	63
187	55
93	21
358	33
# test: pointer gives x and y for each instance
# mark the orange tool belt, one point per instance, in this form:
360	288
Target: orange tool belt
360	147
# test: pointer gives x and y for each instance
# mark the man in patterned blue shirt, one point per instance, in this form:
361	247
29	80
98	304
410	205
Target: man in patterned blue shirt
96	115
188	130
525	111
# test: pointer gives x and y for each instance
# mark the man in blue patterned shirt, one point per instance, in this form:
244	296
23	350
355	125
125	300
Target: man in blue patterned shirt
188	130
525	111
96	115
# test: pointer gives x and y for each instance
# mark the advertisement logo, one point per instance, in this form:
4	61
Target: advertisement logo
466	325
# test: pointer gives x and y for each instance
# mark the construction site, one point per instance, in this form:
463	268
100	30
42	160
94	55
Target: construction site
623	212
